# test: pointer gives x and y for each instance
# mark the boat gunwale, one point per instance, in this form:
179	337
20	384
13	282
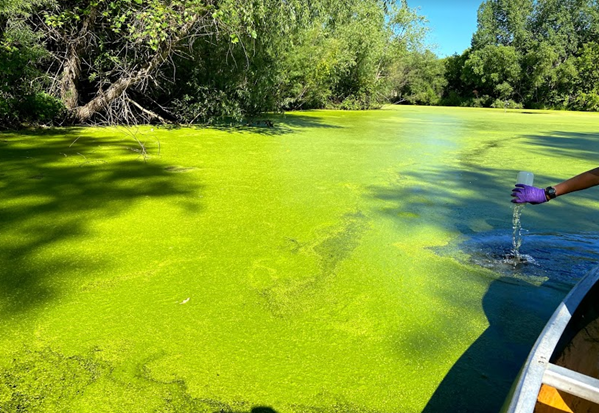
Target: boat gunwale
523	397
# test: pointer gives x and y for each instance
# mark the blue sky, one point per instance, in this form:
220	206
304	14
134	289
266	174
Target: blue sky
451	23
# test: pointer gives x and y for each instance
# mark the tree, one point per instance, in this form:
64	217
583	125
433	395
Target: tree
22	84
503	22
203	60
588	79
533	51
305	54
494	71
458	88
420	78
102	48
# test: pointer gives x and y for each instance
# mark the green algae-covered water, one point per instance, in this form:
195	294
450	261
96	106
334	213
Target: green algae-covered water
338	262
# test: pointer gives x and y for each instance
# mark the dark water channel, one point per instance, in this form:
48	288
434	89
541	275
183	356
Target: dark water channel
550	257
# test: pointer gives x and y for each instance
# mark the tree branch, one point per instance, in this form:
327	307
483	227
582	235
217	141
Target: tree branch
147	111
116	89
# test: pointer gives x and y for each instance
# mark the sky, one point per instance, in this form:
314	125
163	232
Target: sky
451	23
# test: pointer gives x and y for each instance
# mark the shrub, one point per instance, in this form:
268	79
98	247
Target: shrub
40	107
506	104
585	101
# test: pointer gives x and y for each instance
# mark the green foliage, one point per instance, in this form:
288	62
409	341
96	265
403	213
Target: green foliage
586	66
418	78
535	53
144	23
206	105
297	55
494	70
506	104
312	65
22	84
503	22
238	58
41	107
363	37
586	101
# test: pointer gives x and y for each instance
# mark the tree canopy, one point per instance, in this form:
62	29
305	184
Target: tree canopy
201	61
531	53
198	60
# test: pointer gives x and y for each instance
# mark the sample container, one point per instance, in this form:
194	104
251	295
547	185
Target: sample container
525	178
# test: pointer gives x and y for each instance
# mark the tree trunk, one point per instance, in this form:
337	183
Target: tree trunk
71	72
103	98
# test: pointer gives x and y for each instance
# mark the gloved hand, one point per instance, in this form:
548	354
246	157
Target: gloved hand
531	194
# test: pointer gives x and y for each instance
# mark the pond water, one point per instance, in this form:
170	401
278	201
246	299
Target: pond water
336	262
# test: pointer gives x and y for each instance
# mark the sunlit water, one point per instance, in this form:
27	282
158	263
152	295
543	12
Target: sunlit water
337	262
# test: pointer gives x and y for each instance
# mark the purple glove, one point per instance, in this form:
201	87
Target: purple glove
531	194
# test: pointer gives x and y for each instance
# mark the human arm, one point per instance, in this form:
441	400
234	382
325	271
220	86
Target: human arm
579	182
533	195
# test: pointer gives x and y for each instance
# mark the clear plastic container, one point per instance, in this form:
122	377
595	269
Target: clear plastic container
525	178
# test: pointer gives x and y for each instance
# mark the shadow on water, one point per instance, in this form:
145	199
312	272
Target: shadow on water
55	185
273	125
257	409
481	378
472	201
566	144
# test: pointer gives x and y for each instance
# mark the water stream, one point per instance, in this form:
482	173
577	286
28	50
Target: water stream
517	233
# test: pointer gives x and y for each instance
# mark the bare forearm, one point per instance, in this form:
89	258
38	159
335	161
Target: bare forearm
583	181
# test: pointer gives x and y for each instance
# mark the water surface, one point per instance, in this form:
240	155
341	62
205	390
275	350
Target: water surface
340	261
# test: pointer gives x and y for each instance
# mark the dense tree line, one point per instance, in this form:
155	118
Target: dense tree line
201	61
186	61
531	53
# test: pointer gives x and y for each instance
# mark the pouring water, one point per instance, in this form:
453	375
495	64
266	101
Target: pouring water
525	178
516	233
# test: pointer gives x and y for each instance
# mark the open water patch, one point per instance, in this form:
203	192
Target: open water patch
560	258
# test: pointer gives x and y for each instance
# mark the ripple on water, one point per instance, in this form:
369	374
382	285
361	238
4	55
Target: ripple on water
557	257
